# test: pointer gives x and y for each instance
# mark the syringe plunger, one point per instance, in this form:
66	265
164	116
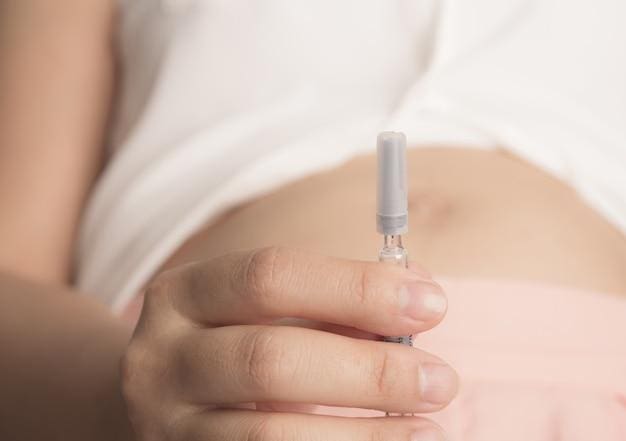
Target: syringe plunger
392	211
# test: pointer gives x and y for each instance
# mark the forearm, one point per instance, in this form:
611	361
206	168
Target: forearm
56	81
59	358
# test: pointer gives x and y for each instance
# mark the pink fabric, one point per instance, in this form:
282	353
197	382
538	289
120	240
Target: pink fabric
537	363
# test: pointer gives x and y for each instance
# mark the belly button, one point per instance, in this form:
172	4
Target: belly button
428	208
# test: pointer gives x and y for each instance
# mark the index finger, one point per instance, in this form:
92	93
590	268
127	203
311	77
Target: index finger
260	285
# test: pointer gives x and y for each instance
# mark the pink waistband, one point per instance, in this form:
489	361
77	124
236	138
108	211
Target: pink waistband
502	330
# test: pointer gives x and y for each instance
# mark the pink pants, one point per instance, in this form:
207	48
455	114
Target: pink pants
536	363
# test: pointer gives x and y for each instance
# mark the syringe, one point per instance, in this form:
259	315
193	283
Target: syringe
392	208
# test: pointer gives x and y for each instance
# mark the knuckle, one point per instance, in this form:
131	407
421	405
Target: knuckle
384	375
141	384
142	376
364	285
131	373
378	433
141	367
382	431
261	274
266	429
158	292
266	360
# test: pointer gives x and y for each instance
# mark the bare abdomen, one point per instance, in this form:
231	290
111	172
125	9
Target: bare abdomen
472	213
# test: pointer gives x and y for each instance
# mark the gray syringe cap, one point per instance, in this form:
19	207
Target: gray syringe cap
392	213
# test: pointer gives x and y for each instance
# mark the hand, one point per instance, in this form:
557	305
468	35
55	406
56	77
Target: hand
207	341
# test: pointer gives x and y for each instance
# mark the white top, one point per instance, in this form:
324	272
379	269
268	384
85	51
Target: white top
224	100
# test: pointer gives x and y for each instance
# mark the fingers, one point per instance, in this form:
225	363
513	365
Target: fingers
254	287
230	425
285	364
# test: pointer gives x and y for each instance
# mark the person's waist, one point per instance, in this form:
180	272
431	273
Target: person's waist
472	213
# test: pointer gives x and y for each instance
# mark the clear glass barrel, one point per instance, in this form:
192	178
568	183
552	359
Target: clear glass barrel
393	253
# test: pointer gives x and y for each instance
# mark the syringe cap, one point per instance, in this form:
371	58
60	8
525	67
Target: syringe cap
392	210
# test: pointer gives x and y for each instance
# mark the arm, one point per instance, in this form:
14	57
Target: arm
56	80
59	352
59	357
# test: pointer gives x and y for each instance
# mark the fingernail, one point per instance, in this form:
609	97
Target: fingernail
427	435
438	383
422	301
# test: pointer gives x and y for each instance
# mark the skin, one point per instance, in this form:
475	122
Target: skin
472	213
60	352
210	337
59	358
56	79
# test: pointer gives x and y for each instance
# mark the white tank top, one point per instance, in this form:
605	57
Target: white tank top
224	100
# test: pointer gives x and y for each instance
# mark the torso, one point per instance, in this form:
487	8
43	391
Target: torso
472	213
